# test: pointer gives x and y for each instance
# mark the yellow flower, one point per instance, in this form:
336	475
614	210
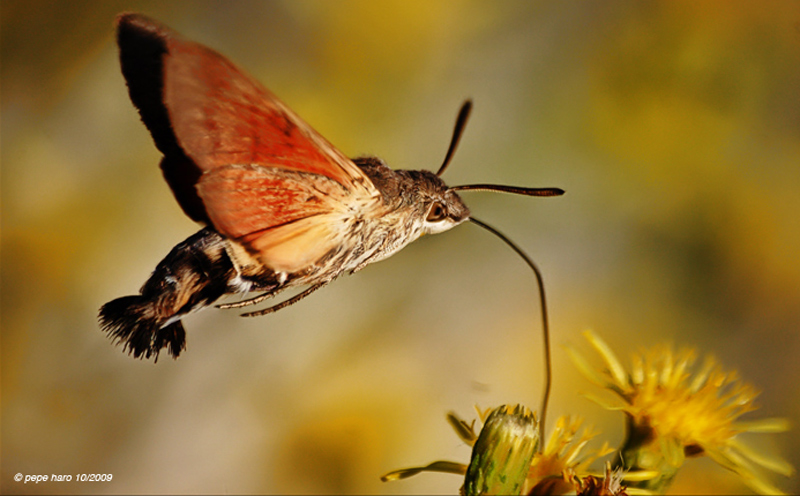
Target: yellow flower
501	453
505	459
673	414
559	467
501	456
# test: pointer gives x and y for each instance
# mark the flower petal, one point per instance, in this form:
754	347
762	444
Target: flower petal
438	466
587	370
463	430
615	368
777	465
763	425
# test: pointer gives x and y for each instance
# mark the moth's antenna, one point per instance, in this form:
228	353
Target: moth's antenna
461	122
545	328
517	190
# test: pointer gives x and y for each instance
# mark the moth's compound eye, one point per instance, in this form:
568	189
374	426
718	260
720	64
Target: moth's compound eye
437	213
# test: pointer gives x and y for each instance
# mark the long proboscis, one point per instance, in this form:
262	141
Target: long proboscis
461	122
548	368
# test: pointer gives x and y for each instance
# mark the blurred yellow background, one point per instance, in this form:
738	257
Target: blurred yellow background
674	127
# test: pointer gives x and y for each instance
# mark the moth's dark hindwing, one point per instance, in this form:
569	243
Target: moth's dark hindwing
193	275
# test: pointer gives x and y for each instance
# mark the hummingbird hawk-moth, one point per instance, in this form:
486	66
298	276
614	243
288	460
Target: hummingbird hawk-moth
281	206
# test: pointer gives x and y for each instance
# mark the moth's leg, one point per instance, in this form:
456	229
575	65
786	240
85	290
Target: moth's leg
250	301
284	304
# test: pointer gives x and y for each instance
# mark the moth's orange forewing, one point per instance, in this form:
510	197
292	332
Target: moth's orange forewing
265	177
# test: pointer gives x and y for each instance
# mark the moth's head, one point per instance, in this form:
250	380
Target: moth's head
421	199
418	197
439	207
